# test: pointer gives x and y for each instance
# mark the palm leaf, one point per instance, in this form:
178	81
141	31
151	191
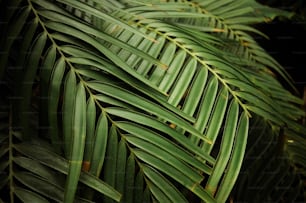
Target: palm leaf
26	195
139	97
51	160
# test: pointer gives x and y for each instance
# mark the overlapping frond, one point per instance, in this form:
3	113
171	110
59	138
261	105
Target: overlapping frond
149	97
230	20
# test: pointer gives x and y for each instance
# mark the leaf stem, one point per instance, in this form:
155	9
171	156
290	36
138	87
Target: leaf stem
189	52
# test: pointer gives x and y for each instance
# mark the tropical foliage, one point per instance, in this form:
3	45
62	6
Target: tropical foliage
142	101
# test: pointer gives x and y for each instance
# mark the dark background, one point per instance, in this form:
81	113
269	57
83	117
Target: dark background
287	43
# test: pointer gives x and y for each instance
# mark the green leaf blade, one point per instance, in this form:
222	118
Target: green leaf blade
236	159
164	185
226	146
77	145
68	110
111	161
28	196
99	145
54	100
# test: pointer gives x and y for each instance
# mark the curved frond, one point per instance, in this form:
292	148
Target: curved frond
138	101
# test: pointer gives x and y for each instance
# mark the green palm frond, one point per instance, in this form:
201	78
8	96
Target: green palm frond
141	101
47	161
35	172
231	20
